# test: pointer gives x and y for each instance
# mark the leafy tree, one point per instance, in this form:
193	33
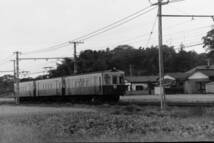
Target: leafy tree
122	57
6	84
208	40
90	61
169	55
208	43
63	69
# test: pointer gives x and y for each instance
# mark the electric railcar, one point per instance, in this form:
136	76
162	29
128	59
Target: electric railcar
100	86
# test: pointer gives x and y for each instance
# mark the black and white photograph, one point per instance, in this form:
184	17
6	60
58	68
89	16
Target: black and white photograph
106	71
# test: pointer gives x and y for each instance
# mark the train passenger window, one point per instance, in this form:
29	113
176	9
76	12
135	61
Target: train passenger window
100	88
121	79
107	79
114	80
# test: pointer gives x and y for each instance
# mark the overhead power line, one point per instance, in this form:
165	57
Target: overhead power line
94	33
9	71
193	45
117	25
112	24
52	58
182	16
49	49
4	63
151	33
176	33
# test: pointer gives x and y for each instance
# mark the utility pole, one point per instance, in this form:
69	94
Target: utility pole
14	77
17	76
160	45
14	72
160	39
75	54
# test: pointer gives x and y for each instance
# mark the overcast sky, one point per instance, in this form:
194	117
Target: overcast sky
29	25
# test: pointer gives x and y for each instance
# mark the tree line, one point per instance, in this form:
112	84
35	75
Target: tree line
141	61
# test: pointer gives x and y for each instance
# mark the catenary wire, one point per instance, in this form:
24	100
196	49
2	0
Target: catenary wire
67	42
151	33
112	24
52	48
118	24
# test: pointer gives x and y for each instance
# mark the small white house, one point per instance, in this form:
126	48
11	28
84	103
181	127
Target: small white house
196	82
141	84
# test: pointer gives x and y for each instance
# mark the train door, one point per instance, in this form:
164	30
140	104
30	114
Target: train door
34	88
63	86
100	85
58	90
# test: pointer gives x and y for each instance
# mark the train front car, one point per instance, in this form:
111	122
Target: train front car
113	84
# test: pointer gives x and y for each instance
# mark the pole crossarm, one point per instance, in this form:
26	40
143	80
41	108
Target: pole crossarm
75	43
175	15
52	58
6	71
160	3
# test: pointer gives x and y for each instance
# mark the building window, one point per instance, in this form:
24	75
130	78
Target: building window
212	78
139	87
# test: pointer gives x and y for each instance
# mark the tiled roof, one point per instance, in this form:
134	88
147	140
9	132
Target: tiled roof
208	72
178	75
199	68
138	79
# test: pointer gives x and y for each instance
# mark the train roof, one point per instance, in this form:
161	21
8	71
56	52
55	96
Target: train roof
98	72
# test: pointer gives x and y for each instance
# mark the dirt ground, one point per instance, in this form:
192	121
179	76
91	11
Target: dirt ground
7	110
62	123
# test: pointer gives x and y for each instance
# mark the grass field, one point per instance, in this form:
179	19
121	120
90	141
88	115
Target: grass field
110	123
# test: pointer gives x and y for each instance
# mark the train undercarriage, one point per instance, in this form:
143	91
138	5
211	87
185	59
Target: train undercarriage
94	99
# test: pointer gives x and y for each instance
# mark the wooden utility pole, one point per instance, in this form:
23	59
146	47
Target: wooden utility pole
14	76
160	45
75	54
17	76
14	70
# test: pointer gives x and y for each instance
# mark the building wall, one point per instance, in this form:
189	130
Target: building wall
139	89
195	86
210	87
189	87
137	86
